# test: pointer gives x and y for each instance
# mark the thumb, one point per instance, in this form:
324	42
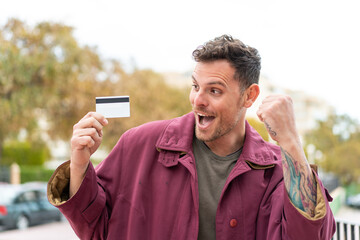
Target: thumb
259	115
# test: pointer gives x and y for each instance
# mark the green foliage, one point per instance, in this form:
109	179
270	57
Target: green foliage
46	75
352	189
35	173
338	141
25	153
43	74
259	127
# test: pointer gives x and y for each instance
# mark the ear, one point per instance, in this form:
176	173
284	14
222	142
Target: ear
251	94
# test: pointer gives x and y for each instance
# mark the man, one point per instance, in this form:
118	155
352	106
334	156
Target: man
205	175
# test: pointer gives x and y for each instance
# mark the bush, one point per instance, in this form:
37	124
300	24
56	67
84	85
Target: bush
25	153
35	173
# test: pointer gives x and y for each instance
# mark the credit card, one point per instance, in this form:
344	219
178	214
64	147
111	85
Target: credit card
113	106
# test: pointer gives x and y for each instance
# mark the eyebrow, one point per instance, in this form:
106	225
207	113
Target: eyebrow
193	78
212	83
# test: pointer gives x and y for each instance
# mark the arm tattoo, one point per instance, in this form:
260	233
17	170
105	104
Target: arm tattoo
300	183
272	132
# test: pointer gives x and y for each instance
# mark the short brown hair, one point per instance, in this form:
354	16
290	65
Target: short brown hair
245	59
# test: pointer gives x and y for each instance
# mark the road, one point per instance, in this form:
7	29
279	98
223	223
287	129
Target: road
53	231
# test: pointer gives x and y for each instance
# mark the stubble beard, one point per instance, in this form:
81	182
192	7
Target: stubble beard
218	133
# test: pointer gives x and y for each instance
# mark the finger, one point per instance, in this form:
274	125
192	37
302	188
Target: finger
267	99
99	117
90	122
92	132
82	142
277	99
274	98
259	114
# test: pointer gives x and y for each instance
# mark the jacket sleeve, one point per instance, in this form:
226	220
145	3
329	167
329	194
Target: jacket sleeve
85	211
89	210
297	224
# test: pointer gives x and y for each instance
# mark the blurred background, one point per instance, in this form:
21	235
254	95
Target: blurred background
56	57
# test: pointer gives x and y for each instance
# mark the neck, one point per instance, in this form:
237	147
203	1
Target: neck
229	143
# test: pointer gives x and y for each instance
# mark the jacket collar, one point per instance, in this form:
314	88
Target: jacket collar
178	136
256	150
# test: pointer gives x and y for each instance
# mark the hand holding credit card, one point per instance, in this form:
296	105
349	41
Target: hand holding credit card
113	106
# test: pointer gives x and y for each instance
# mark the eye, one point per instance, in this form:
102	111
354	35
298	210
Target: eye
195	87
215	91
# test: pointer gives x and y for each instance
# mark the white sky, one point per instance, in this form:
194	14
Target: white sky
309	45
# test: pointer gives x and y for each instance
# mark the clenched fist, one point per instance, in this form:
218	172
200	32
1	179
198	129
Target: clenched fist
277	113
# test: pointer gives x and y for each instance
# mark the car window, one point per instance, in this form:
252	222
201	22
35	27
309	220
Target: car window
30	196
41	195
20	198
26	197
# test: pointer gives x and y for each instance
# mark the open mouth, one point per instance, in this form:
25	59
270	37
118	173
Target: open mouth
204	120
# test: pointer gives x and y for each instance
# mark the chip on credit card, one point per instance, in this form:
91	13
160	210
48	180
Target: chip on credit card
113	106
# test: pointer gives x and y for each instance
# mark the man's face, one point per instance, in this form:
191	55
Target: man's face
217	101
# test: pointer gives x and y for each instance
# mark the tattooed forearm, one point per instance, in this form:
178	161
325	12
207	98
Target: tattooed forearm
272	132
300	183
292	180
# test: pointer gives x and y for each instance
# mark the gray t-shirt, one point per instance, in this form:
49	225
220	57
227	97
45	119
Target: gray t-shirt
212	171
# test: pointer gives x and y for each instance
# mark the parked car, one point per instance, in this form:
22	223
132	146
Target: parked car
24	205
353	201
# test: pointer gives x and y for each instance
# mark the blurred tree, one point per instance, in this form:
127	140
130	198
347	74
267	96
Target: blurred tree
43	74
46	77
337	139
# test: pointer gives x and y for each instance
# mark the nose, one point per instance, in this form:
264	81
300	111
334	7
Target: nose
199	99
